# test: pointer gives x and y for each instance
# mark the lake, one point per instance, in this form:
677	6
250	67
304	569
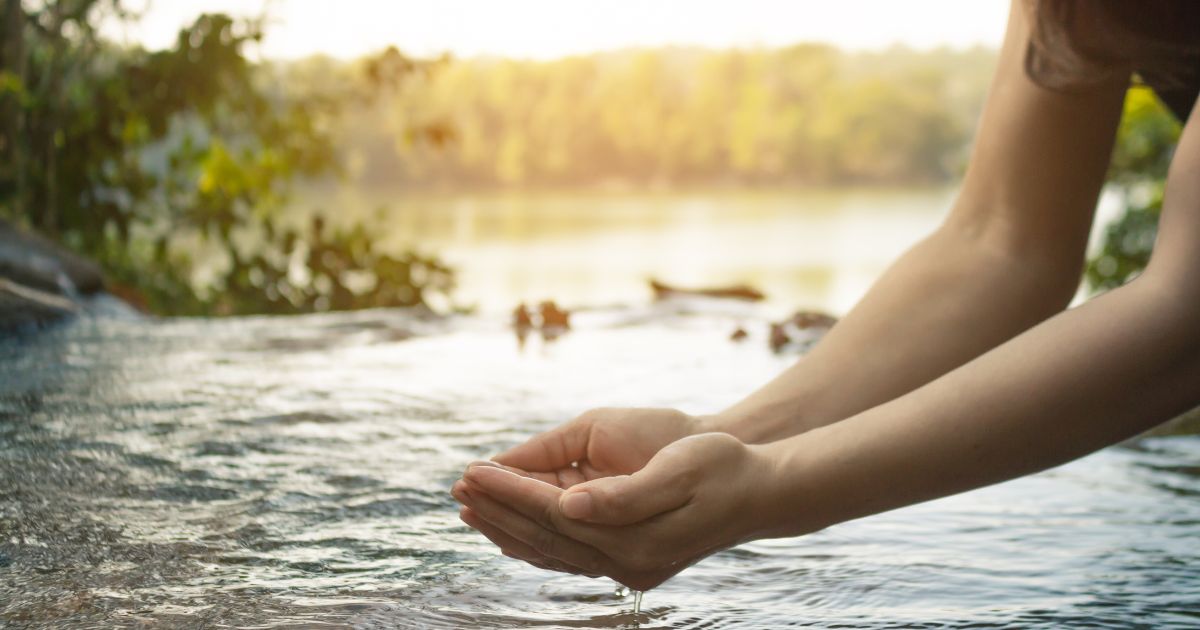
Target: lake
813	249
293	472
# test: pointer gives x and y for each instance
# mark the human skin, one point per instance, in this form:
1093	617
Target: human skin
957	370
1009	255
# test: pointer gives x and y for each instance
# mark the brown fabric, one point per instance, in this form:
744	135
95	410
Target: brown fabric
1077	43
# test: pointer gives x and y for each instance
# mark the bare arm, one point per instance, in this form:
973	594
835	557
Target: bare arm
1082	380
1079	381
1009	256
945	376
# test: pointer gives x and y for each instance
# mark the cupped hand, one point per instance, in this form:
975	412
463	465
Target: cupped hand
696	496
599	443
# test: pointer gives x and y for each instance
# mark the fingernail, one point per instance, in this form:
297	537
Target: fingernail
459	491
577	505
475	474
482	462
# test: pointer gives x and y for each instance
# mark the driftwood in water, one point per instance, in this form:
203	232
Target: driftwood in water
663	291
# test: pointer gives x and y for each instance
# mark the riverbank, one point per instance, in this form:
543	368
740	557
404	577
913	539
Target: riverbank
40	281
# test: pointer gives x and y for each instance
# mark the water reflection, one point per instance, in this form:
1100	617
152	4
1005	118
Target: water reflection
817	248
294	471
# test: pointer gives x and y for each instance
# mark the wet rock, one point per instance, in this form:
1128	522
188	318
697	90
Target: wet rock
39	281
800	331
34	261
554	317
555	321
23	307
522	324
548	318
522	319
779	337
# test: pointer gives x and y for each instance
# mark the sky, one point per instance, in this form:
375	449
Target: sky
545	29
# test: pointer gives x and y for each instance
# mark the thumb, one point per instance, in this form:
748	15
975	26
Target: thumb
626	499
551	450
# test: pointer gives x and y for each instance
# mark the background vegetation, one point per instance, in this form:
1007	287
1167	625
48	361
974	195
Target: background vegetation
150	160
1146	141
807	114
175	168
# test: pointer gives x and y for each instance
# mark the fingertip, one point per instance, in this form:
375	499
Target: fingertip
460	493
477	473
471	478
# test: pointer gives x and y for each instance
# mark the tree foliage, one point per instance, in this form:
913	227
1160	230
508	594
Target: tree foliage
174	168
808	114
1146	142
125	154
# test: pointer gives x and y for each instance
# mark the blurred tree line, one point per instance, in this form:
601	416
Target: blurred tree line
145	160
808	114
174	168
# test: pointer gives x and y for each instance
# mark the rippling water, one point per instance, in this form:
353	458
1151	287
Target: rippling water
276	472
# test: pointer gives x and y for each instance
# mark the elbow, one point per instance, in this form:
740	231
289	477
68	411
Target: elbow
1172	291
1042	244
1047	266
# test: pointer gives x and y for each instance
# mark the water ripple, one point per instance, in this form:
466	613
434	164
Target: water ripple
269	472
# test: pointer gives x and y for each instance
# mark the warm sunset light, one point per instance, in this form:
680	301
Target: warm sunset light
545	29
607	314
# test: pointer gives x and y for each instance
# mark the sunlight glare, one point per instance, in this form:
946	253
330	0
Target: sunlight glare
554	28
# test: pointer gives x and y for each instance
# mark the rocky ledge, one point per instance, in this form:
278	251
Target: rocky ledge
40	281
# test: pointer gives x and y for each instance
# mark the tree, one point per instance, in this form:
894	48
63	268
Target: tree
1146	141
125	154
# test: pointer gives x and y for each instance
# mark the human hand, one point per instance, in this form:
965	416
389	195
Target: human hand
599	443
696	496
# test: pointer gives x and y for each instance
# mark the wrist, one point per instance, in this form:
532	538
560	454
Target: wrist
710	423
745	427
789	493
759	424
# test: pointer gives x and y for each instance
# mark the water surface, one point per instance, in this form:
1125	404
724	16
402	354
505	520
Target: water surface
293	472
812	248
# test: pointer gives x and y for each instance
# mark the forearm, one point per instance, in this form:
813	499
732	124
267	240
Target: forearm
1008	257
951	298
1085	379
